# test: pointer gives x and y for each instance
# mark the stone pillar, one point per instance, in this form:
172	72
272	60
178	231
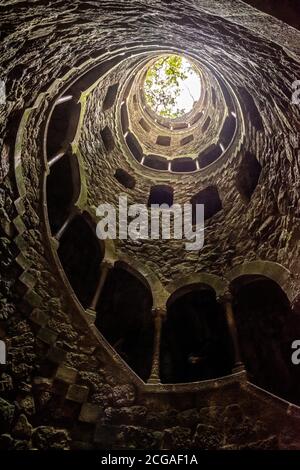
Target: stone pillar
226	300
64	226
105	268
55	159
159	315
64	99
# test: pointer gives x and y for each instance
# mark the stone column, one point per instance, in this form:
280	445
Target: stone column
105	268
64	226
55	158
64	99
226	300
159	315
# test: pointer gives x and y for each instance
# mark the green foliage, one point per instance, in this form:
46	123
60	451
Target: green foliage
162	85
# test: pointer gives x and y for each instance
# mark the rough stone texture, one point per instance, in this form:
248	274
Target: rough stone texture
47	333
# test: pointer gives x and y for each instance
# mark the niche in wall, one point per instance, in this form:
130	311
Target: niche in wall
247	176
110	97
161	194
125	178
227	131
251	108
144	125
107	138
134	146
209	155
125	320
267	327
80	254
206	124
124	118
63	188
186	140
156	162
163	140
62	127
183	165
211	200
195	340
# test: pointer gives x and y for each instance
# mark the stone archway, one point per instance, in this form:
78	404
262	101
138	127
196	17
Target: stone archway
124	317
195	342
269	269
266	328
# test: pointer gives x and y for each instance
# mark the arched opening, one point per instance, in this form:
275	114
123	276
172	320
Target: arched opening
267	327
228	130
62	127
134	146
209	155
156	162
179	125
124	318
213	96
206	124
247	176
183	165
186	140
163	140
210	198
110	97
63	188
88	78
80	254
196	118
124	178
124	118
107	138
227	96
195	340
161	194
128	88
144	125
251	108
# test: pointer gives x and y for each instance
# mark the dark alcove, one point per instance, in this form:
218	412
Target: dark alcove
125	320
210	198
63	187
134	146
267	327
110	97
195	339
161	194
62	127
124	178
247	176
80	254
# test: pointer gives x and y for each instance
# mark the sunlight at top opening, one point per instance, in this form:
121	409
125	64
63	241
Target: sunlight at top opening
172	86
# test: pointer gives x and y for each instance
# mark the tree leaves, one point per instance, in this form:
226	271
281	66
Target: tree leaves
162	85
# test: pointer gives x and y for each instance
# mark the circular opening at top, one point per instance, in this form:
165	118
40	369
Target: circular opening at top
172	86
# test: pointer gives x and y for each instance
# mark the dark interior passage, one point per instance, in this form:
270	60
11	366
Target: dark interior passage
161	194
267	327
81	254
63	187
248	176
195	340
210	198
62	127
125	320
